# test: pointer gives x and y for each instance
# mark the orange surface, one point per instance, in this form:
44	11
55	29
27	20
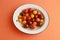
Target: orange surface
8	30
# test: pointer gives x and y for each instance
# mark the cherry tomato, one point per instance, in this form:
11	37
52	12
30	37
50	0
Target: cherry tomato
20	20
30	10
24	22
35	23
41	16
34	11
29	22
32	15
28	17
32	26
37	20
19	17
23	17
32	19
27	14
38	12
25	11
42	20
38	23
25	25
36	16
22	14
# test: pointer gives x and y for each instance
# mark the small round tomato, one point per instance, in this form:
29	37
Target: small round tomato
23	17
38	12
28	17
41	16
25	25
22	14
32	15
35	23
30	10
41	24
34	11
27	14
38	23
25	11
37	20
29	22
42	20
32	19
19	17
32	26
24	22
36	16
20	20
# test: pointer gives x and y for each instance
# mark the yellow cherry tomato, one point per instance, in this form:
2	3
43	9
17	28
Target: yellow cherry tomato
27	14
20	20
41	20
19	16
24	22
35	23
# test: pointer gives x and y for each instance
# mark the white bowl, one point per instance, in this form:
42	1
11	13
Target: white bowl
29	31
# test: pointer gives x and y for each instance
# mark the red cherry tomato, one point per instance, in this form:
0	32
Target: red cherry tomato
37	20
32	26
25	11
41	16
25	25
30	10
36	16
23	17
38	12
29	22
28	17
38	23
22	14
33	19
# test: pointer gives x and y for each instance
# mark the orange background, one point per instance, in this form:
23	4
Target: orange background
8	30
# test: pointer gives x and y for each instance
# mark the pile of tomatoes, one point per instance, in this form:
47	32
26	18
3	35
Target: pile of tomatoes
31	18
